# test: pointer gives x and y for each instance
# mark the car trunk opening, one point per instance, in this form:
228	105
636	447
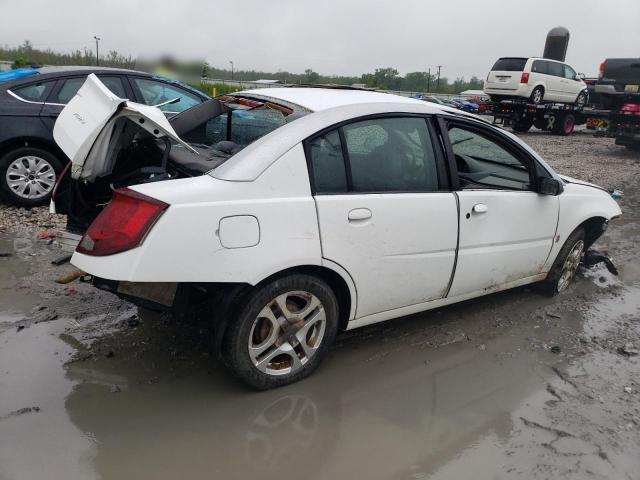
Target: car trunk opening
114	143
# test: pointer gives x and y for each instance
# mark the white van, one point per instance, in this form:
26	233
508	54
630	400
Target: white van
538	79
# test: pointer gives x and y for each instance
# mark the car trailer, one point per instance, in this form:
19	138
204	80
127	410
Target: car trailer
557	118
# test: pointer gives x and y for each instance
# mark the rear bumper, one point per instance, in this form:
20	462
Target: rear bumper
523	90
152	295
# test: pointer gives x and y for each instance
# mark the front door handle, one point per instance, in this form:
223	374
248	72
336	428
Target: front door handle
359	214
480	208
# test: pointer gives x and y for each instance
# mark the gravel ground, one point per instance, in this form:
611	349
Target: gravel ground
14	219
594	159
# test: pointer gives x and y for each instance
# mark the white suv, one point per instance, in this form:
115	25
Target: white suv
538	79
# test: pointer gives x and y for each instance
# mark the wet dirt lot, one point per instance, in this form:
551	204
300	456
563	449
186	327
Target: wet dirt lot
513	385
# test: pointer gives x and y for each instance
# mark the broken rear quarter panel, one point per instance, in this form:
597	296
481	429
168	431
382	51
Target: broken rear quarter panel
184	246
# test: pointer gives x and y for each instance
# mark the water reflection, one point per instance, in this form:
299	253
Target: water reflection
384	414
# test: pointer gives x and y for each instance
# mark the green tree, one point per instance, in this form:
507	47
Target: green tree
415	82
311	76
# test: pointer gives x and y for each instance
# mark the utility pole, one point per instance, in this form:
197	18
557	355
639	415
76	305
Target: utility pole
429	80
97	39
439	67
231	62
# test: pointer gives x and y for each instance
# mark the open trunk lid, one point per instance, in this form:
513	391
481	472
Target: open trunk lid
86	128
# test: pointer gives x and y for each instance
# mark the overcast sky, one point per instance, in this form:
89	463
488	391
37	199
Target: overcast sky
331	36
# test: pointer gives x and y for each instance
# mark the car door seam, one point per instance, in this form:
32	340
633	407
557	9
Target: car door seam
455	257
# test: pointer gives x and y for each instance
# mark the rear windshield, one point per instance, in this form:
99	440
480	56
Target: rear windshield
510	64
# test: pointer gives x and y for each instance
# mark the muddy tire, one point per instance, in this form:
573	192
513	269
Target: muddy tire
564	268
537	95
281	332
27	176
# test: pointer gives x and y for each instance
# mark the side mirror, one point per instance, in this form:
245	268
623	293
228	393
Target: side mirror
579	76
550	186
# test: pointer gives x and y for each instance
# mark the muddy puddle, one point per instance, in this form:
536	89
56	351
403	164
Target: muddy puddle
514	385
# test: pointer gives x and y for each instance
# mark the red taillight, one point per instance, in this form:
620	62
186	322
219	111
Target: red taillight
630	109
524	78
123	224
601	70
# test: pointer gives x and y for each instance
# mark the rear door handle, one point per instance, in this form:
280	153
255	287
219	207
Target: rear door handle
359	214
480	208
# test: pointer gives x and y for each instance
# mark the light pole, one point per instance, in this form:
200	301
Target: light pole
231	62
429	80
97	39
439	67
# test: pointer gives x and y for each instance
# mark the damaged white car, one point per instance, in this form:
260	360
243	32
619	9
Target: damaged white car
296	212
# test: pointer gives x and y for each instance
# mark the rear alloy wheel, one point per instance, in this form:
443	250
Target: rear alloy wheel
566	265
283	332
581	100
537	95
27	176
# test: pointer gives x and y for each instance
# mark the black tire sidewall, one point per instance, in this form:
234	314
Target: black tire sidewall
9	157
550	284
234	346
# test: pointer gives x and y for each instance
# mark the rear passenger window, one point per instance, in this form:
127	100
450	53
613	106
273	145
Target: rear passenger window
539	66
327	162
72	85
391	155
382	155
36	92
555	69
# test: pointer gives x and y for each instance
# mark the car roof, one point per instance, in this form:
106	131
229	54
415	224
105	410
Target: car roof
52	72
82	68
317	99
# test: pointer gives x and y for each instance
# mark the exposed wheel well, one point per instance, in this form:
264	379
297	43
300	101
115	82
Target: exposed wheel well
335	281
593	229
225	298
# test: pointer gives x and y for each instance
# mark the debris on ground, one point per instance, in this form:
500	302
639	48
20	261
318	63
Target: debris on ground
70	276
628	350
21	411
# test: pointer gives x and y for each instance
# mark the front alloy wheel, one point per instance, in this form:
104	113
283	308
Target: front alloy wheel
281	331
28	176
566	264
570	266
31	177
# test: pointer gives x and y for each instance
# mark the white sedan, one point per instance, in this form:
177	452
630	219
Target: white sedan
360	208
